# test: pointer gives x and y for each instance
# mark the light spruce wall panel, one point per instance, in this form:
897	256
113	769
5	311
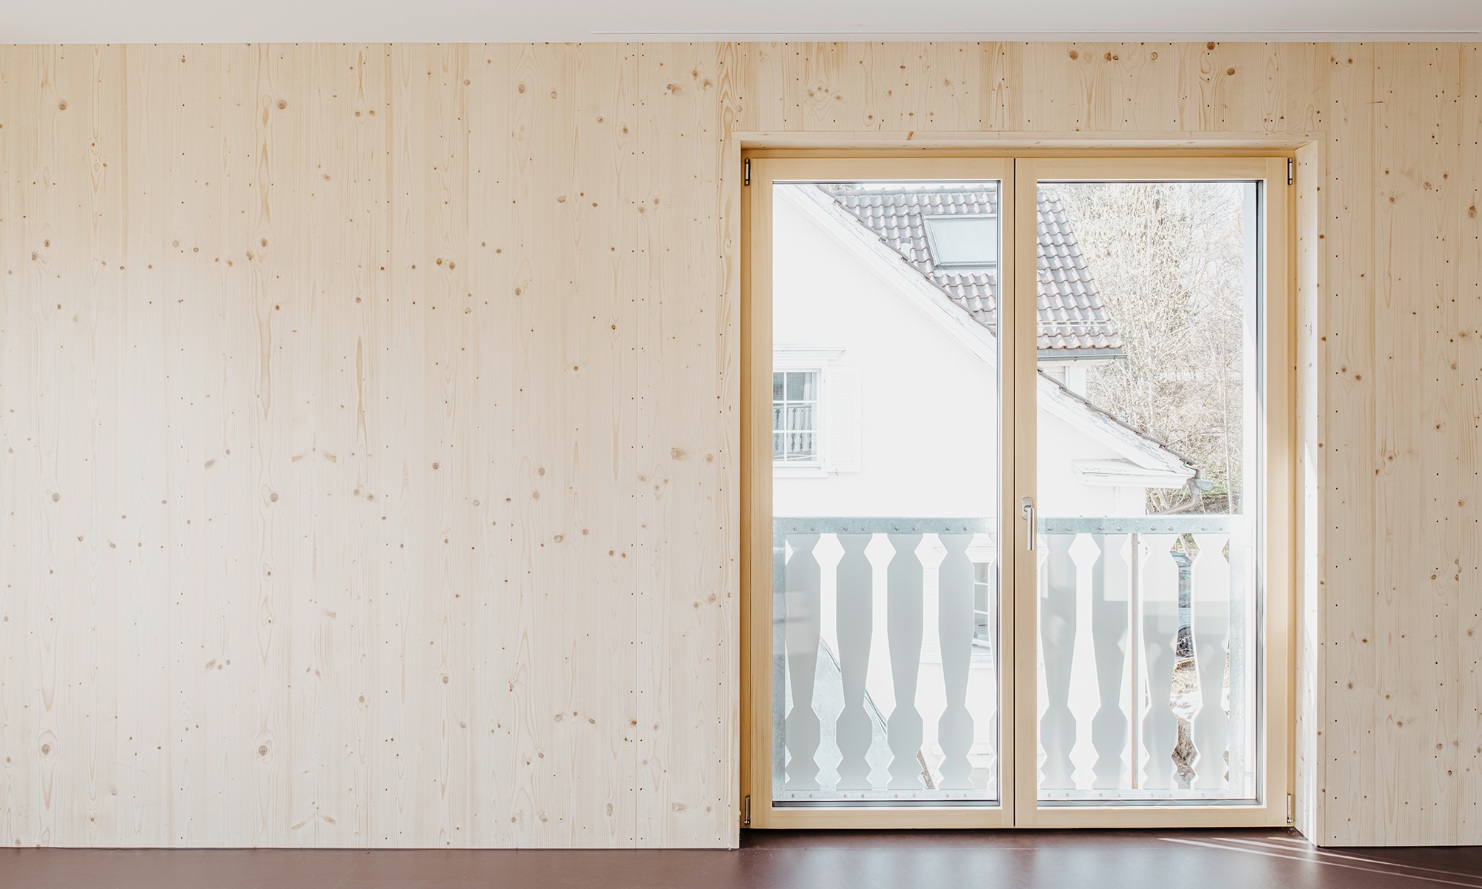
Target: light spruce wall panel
1468	443
1417	567
61	237
686	444
1347	423
369	421
575	428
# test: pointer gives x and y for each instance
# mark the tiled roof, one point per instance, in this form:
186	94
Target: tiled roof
1072	315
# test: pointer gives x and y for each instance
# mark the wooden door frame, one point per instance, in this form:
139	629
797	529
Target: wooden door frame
1018	720
1275	576
756	492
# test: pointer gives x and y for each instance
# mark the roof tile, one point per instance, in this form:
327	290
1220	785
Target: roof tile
1072	315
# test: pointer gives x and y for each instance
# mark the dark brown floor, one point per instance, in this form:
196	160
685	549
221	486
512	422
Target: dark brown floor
817	860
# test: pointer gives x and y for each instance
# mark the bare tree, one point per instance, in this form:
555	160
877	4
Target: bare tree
1169	261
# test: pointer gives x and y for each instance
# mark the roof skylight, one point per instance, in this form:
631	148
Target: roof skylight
963	240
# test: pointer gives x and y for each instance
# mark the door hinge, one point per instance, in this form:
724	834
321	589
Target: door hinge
746	812
1291	171
1291	809
746	172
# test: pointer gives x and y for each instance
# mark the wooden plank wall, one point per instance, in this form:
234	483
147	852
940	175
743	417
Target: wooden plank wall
366	429
368	422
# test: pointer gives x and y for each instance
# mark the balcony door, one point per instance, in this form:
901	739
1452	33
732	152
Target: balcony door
1012	433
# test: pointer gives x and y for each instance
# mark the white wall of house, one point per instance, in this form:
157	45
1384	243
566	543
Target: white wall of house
928	432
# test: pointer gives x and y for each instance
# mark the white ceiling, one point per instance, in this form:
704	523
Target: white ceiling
230	21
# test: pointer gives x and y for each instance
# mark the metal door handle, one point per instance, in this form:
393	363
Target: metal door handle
1026	509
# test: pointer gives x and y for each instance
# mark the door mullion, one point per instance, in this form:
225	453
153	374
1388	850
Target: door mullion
1021	302
1008	336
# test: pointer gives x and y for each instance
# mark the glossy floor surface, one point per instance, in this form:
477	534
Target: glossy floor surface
815	860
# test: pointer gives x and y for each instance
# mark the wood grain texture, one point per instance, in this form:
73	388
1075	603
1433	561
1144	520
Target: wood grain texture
369	436
1308	629
1468	443
688	435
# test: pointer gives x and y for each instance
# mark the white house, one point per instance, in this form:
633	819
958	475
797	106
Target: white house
886	361
885	406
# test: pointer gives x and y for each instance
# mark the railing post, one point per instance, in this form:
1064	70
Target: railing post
1242	614
1183	650
1159	621
779	660
955	621
1137	688
803	624
1112	635
855	618
1211	634
1057	633
904	600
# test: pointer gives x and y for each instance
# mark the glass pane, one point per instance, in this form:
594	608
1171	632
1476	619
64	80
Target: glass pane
803	445
886	674
963	240
777	449
777	386
800	386
800	416
1148	505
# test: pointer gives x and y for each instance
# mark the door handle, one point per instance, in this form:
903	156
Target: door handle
1026	509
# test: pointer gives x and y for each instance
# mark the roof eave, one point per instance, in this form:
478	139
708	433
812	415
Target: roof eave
1068	355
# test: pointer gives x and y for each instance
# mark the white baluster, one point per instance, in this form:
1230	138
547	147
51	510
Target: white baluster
1084	698
802	625
1240	701
1210	602
1159	599
984	690
855	620
904	627
828	698
1115	759
955	634
1057	618
781	693
879	679
1041	687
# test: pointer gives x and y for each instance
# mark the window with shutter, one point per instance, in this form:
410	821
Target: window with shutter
795	430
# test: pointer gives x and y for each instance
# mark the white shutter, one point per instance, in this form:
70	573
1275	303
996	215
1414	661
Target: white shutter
841	410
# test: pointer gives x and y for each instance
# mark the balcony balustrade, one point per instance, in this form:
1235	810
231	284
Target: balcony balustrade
886	670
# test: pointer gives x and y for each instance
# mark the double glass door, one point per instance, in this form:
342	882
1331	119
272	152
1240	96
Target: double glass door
1012	556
